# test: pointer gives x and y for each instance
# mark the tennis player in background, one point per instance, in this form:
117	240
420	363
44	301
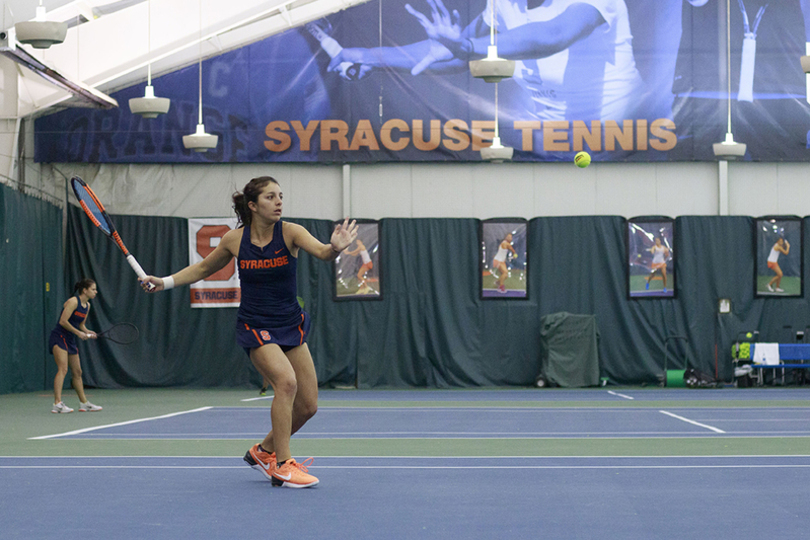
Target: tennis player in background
660	255
62	344
781	246
270	324
499	261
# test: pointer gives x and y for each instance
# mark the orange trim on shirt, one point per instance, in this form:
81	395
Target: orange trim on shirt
301	329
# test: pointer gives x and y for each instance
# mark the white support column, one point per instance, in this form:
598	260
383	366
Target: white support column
9	119
347	190
722	188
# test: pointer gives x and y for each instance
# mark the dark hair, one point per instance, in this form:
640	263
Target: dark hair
248	195
85	283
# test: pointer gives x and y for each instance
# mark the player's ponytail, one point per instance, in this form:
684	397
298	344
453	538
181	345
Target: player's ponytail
85	283
250	194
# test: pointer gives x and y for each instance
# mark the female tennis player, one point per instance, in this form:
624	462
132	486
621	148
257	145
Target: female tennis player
659	262
781	246
270	324
62	344
499	261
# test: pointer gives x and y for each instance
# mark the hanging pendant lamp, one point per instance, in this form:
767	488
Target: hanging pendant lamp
41	33
149	106
492	69
728	149
200	141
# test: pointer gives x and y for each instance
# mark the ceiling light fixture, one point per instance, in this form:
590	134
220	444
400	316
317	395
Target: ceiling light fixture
41	33
496	152
149	106
492	69
728	149
200	141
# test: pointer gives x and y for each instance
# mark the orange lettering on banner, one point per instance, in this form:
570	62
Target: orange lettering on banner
527	129
482	130
334	131
592	137
305	134
275	132
623	135
364	136
555	136
204	248
663	130
419	137
231	295
641	134
457	131
454	135
387	132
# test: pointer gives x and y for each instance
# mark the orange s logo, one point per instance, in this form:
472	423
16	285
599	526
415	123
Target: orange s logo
204	240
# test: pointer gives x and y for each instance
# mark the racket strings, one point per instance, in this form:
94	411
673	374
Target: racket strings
122	333
92	208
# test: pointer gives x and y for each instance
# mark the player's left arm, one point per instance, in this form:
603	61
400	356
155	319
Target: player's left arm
344	234
83	328
545	38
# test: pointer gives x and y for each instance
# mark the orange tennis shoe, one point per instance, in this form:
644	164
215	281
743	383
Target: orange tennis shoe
294	475
261	461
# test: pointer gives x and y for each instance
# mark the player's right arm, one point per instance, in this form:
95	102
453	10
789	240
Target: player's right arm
226	250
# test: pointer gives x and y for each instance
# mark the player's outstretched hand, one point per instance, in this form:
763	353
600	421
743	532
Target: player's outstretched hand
442	27
344	234
151	284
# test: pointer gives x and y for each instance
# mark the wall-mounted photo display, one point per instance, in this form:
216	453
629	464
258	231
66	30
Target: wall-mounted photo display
504	258
778	265
651	257
357	268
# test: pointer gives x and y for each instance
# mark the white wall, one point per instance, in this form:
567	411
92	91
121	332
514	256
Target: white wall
479	190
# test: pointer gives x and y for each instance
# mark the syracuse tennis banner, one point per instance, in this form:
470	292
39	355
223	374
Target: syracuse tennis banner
386	81
222	288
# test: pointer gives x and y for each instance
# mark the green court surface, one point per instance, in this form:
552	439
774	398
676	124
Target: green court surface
25	416
639	283
791	286
515	281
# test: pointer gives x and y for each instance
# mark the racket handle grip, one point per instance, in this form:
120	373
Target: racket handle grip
137	267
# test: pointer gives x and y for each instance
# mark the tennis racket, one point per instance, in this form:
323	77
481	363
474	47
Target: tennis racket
121	333
95	211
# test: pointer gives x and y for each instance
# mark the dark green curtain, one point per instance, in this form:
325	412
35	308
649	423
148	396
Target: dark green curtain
431	328
31	266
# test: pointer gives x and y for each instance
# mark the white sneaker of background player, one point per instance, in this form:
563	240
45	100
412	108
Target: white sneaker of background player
88	407
61	408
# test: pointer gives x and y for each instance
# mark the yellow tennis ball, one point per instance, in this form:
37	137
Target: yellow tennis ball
582	159
749	335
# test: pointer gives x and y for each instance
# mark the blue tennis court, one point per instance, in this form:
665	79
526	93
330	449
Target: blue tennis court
633	464
408	497
465	422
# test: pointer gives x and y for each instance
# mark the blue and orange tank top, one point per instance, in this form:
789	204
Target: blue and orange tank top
76	318
268	279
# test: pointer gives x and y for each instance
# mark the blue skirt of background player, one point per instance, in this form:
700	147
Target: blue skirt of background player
64	340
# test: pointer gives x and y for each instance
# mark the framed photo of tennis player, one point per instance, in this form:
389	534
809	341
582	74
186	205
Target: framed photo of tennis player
504	263
357	269
650	257
778	267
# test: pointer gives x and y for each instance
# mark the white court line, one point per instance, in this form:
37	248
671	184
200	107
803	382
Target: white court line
611	392
85	430
257	398
692	422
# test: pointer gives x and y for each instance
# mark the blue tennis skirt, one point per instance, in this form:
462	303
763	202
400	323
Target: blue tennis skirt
63	340
289	337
